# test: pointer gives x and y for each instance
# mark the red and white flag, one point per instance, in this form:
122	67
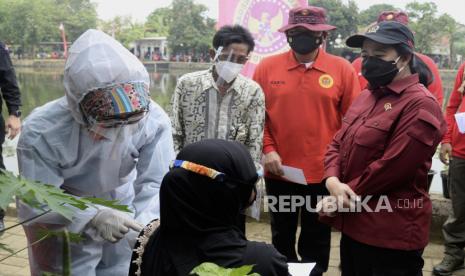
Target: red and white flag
63	37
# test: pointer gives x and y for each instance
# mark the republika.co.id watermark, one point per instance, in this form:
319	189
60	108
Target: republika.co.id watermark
331	204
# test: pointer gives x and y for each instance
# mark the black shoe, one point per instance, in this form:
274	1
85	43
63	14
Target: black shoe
447	266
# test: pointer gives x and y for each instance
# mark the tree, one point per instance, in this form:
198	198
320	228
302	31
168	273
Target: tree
451	29
76	15
193	30
343	16
123	29
159	21
27	23
371	14
424	23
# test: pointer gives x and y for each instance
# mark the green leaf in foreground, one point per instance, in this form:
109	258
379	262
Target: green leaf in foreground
108	203
211	269
44	196
73	237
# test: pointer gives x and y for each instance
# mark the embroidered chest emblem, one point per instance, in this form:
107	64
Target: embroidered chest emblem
387	106
326	81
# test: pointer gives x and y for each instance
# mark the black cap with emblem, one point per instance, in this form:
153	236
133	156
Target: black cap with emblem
387	32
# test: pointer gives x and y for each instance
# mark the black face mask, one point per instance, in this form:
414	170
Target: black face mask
304	43
379	72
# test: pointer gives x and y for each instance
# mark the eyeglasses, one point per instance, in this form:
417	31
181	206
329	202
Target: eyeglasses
117	121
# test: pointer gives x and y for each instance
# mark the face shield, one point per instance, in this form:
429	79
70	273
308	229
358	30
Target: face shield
98	64
228	65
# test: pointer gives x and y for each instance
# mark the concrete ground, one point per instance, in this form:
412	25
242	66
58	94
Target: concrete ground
18	264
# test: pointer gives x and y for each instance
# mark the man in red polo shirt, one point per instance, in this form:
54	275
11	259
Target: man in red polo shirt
435	87
307	91
453	154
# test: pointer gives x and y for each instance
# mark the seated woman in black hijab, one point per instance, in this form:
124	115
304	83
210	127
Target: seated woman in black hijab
210	183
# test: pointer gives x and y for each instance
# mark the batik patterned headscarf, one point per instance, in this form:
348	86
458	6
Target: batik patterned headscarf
116	104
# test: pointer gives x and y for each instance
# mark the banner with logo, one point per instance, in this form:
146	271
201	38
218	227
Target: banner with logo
262	18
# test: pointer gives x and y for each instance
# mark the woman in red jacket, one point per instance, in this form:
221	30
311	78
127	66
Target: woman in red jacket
382	155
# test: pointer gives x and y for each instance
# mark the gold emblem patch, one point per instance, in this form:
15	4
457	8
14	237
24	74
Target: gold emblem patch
326	81
387	106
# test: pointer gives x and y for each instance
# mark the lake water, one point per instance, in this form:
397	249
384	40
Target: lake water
39	86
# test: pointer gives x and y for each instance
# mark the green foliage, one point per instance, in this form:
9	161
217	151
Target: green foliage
424	23
455	33
159	21
370	15
343	16
46	233
193	31
123	29
211	269
40	195
27	23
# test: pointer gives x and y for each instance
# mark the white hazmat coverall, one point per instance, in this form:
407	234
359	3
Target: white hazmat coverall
128	165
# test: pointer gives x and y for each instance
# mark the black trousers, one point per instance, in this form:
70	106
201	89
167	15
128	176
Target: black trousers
315	238
359	259
2	165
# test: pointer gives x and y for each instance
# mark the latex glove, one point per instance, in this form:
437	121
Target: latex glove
112	225
131	238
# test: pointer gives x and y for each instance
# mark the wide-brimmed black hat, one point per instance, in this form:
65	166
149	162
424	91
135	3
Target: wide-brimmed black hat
387	32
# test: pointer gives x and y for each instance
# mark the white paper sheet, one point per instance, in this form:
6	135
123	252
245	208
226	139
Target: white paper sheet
460	119
295	175
300	269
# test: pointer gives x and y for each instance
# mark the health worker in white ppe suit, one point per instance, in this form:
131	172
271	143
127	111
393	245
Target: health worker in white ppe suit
104	139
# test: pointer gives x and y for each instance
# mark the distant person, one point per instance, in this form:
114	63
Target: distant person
453	154
435	84
307	92
209	184
12	97
382	154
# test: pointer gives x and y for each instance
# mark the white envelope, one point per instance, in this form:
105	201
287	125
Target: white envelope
460	119
300	269
295	175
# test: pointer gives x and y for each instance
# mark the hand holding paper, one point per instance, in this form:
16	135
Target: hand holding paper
294	175
460	119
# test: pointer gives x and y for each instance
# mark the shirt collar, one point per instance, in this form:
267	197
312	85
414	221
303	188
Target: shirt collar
320	63
399	86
